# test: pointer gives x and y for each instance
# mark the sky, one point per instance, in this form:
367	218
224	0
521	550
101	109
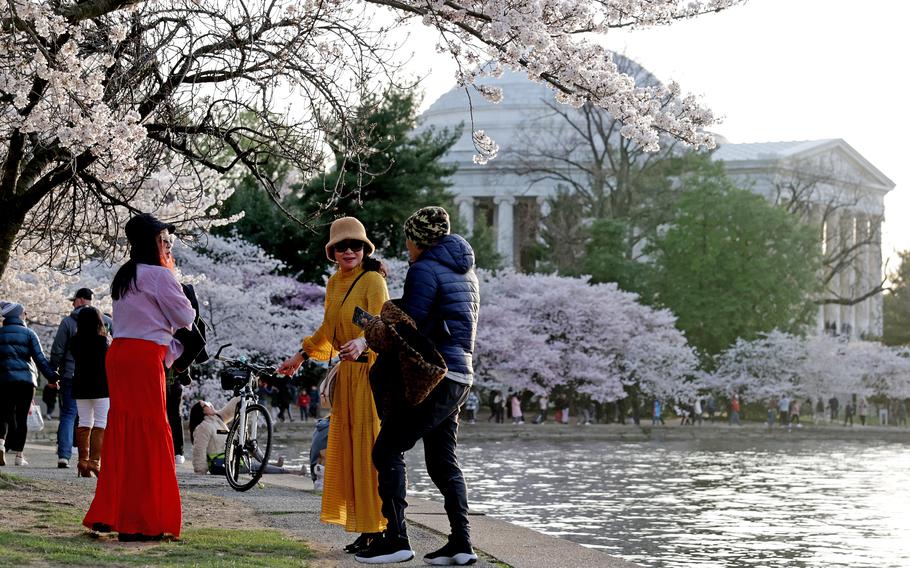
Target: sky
783	70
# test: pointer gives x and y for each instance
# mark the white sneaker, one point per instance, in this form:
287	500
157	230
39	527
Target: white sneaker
20	460
179	459
2	454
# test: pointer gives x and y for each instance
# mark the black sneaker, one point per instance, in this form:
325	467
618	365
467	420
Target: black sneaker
362	543
452	554
385	551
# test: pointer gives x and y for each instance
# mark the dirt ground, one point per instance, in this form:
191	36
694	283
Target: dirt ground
27	503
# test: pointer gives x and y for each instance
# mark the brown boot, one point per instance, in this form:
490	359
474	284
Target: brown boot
82	442
94	461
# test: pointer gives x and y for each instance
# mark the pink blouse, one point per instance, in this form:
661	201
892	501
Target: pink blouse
154	308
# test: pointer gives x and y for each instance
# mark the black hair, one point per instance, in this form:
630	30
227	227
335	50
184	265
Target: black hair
144	250
89	323
197	415
371	264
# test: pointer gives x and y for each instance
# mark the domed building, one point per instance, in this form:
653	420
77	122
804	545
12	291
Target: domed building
840	191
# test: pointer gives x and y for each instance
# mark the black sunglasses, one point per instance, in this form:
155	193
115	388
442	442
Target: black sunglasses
352	245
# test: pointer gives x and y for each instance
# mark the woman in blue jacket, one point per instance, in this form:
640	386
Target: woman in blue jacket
18	347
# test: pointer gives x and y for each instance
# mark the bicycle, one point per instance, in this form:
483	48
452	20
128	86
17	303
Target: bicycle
249	439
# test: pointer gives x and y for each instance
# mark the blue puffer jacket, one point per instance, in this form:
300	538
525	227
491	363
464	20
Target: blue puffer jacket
18	345
442	294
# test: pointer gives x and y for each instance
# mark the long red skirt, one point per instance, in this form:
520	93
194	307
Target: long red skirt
137	489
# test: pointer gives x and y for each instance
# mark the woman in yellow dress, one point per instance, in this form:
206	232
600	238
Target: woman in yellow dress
350	496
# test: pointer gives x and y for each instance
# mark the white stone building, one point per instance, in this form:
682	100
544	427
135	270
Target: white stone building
846	192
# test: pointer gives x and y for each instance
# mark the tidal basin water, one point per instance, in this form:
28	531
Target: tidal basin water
723	501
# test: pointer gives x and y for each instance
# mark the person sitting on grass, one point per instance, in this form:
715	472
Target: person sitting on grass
208	433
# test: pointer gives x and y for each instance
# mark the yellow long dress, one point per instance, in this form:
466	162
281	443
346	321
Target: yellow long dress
350	496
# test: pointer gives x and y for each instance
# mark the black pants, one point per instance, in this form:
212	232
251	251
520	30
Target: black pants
16	401
436	421
174	400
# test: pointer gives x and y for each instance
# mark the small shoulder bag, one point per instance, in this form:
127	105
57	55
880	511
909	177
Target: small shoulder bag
327	385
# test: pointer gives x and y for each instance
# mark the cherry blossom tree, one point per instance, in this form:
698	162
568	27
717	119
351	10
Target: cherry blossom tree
815	367
108	107
537	332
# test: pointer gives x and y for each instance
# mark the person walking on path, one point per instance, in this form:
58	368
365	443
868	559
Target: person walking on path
350	495
19	348
543	403
734	410
517	415
862	410
795	407
697	412
783	408
772	411
89	349
848	413
137	494
833	405
442	296
819	411
497	405
178	379
62	361
657	416
303	403
471	405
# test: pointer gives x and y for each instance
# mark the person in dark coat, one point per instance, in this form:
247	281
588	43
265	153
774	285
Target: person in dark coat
19	347
442	296
89	350
63	362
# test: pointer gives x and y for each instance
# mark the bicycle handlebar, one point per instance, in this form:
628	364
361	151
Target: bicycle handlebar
255	369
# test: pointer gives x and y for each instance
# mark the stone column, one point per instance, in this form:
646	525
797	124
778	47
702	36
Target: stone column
846	276
505	228
832	226
816	222
543	205
863	278
875	275
465	205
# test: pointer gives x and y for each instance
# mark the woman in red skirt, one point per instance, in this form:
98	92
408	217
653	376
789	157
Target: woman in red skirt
137	494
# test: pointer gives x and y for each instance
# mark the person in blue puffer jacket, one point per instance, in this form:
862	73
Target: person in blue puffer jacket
19	346
442	296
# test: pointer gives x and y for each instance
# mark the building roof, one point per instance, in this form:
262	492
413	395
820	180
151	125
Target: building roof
766	150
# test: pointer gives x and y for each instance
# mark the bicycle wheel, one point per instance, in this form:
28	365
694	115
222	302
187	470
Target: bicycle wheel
244	463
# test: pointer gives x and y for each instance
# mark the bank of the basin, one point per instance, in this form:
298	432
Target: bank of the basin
285	507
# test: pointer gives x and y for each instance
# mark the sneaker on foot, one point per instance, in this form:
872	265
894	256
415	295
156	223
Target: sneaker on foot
2	454
20	460
179	459
452	554
386	550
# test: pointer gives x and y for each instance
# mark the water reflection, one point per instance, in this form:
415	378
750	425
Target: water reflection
706	503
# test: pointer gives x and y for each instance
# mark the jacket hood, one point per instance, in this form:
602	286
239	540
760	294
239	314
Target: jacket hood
452	251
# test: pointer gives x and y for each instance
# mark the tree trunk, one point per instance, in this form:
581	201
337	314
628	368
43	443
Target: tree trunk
9	228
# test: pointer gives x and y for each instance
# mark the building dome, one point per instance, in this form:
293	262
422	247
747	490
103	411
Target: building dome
526	106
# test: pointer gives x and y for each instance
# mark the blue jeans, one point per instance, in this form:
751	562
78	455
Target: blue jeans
67	420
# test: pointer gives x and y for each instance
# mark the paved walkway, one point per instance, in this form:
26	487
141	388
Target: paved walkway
288	502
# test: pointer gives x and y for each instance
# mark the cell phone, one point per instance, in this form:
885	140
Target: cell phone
361	317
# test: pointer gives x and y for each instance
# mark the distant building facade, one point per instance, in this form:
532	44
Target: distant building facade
843	193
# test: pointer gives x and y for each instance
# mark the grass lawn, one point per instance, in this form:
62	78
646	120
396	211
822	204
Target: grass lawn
45	529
